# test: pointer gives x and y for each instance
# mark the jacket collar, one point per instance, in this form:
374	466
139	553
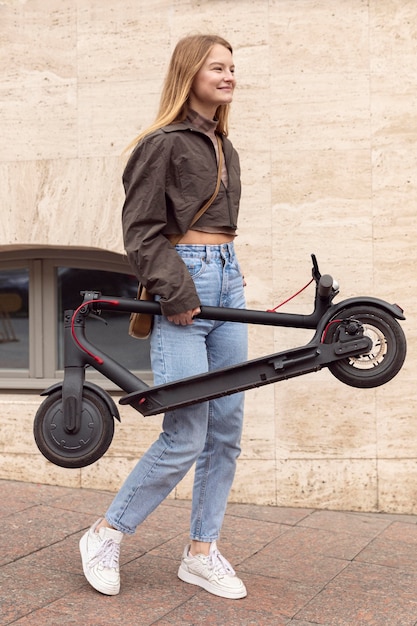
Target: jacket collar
193	121
185	125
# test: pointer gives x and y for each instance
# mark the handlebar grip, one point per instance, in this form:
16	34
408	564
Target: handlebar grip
325	285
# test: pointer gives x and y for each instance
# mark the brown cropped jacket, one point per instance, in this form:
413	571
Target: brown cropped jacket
168	178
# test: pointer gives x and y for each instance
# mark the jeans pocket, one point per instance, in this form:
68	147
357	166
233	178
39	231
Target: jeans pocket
195	266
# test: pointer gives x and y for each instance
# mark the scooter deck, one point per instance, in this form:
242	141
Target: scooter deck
248	375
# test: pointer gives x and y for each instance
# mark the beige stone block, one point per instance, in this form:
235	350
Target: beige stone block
42	42
38	121
321	111
393	110
322	205
134	434
258	274
100	201
332	176
252	141
261	339
37	196
339	234
320	418
253	244
34	468
338	484
61	202
250	126
110	117
312	36
395	225
288	339
251	99
393	176
38	86
255	482
122	41
397	480
396	411
108	473
407	375
395	254
244	24
394	188
394	274
392	37
255	207
258	440
17	427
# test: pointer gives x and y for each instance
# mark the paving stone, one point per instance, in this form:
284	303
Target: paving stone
302	567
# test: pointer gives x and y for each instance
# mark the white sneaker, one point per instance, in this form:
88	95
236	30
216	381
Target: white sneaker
100	557
213	573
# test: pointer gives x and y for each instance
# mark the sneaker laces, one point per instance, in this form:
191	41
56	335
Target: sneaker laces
219	564
107	554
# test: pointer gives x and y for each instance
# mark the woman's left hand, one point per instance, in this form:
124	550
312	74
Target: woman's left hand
184	319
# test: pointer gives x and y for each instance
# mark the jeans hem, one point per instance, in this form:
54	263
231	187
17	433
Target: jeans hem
204	539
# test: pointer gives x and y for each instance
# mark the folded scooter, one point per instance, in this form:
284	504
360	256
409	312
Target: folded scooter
359	340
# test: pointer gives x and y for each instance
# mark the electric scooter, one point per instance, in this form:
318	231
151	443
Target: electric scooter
359	340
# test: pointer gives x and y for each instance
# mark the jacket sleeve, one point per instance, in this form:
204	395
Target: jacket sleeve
144	216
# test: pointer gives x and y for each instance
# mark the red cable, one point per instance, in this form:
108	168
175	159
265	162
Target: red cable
323	337
290	298
79	344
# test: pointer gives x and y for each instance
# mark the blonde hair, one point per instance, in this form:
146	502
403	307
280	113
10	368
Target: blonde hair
187	59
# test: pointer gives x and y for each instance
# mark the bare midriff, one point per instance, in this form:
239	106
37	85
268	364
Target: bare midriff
199	238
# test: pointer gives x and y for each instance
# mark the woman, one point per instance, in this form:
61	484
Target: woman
170	175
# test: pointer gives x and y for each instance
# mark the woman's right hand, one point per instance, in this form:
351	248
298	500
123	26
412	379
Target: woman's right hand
184	319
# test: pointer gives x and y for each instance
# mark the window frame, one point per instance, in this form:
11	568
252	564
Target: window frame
42	264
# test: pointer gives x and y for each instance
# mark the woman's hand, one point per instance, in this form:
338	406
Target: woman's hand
184	319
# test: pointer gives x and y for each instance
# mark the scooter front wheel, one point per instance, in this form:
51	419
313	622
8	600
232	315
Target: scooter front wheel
73	449
386	356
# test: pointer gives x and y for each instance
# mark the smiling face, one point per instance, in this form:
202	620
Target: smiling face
214	83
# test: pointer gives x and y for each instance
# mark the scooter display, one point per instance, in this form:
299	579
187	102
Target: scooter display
359	340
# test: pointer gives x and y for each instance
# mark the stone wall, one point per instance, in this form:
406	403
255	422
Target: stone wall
325	122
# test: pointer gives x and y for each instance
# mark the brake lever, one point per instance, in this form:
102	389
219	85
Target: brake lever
315	271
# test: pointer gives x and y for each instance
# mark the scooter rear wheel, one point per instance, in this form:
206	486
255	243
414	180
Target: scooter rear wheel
73	449
386	357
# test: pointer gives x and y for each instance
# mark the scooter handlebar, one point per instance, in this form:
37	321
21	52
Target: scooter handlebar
325	286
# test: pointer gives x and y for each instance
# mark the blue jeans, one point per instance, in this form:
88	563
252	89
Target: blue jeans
207	433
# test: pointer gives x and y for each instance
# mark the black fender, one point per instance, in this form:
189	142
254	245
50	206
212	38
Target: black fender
96	389
392	309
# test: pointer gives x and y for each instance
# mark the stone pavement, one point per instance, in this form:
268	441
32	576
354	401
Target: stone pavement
301	566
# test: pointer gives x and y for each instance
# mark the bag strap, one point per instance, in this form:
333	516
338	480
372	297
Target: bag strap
177	238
